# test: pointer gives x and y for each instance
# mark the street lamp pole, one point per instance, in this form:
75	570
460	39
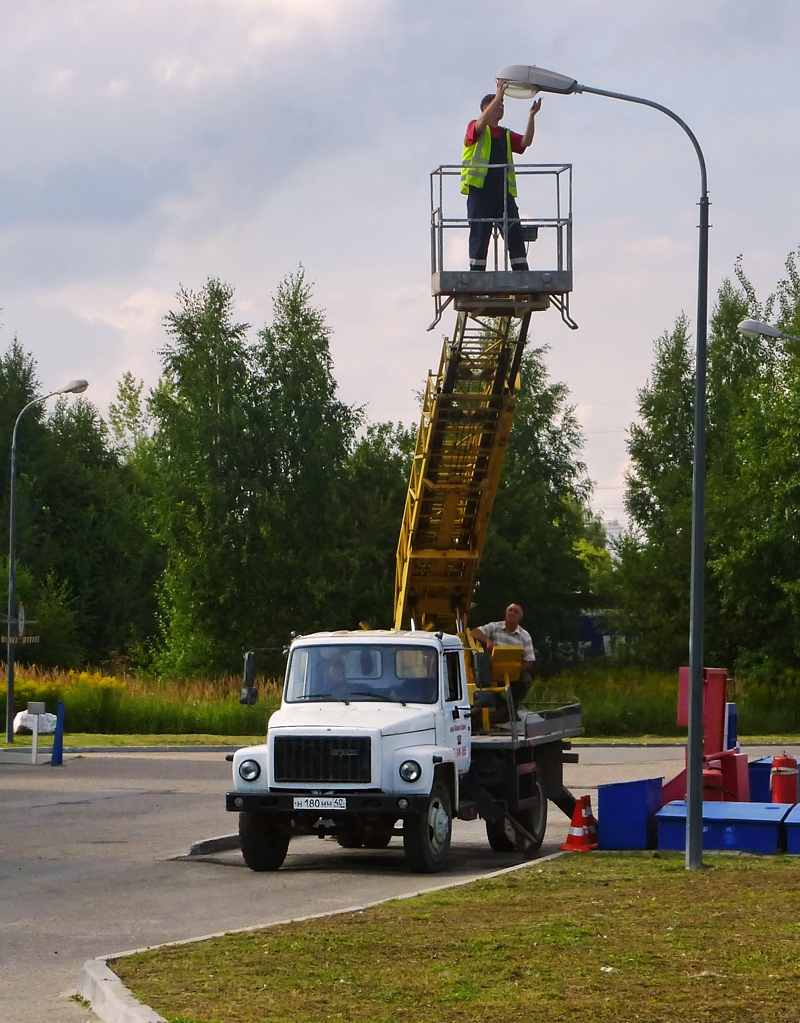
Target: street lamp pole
73	387
525	81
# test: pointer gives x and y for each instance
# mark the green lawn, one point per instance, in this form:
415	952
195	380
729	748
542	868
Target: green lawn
204	739
601	937
98	739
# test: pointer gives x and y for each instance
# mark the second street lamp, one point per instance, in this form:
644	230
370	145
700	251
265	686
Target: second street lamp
524	81
73	387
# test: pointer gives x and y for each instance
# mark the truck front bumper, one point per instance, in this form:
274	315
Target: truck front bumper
355	802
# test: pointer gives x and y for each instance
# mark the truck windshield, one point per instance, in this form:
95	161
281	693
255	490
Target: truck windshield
392	673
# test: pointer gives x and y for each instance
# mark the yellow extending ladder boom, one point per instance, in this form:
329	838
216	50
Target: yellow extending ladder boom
466	420
468	407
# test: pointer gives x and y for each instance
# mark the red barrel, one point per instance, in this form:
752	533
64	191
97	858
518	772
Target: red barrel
784	779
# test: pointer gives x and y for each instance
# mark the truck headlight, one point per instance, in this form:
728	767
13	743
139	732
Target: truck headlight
249	770
410	770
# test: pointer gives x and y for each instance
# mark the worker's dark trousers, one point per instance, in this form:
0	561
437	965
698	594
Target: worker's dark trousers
483	204
521	687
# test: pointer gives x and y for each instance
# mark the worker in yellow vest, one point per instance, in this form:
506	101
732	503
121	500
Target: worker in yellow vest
490	189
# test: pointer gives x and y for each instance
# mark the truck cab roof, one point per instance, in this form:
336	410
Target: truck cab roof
444	640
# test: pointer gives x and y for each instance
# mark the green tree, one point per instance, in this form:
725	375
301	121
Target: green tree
652	579
128	418
203	461
79	530
249	452
375	485
753	562
311	436
93	551
756	556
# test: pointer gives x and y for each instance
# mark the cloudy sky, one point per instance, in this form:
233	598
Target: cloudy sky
148	145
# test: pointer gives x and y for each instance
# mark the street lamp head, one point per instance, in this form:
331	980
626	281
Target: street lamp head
752	328
73	387
525	80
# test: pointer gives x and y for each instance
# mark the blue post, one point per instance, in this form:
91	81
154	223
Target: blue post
58	739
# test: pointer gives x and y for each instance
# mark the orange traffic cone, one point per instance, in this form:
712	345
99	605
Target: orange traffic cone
578	837
590	821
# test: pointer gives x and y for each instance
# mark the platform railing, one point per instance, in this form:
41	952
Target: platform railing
556	217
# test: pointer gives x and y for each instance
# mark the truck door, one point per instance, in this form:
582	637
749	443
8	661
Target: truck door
456	725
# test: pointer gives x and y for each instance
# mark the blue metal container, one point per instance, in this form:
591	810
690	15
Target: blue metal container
743	827
792	824
731	726
626	814
759	771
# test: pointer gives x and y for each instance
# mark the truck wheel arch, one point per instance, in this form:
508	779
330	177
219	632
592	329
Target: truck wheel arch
446	773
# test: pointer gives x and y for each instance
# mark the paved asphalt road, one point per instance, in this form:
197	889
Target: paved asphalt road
90	863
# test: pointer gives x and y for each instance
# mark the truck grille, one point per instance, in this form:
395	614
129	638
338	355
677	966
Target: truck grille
300	758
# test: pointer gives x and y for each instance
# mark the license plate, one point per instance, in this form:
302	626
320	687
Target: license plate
320	803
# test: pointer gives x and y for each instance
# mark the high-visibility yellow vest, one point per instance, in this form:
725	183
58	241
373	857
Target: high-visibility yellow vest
474	164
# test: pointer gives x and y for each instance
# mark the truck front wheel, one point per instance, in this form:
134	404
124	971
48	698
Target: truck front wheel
264	840
504	837
426	835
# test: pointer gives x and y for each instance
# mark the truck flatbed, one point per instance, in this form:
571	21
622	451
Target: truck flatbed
536	729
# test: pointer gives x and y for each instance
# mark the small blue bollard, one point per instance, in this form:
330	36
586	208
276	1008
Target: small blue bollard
57	759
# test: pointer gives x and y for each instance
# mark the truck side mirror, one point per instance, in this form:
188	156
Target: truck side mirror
249	693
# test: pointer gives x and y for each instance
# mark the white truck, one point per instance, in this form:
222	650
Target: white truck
374	738
384	733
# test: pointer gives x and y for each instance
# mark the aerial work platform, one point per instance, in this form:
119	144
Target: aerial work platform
468	406
500	291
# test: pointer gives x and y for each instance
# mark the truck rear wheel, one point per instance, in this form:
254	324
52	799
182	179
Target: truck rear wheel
503	836
264	840
350	836
370	835
377	834
426	835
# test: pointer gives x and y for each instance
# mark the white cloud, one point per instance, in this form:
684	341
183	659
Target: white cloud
152	144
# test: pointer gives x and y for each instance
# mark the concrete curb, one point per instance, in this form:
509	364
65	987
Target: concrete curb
212	845
112	1002
110	999
24	756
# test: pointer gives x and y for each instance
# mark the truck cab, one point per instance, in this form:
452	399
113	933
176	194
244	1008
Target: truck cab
374	728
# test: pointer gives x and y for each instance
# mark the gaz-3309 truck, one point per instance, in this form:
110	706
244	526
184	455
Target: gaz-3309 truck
398	732
374	738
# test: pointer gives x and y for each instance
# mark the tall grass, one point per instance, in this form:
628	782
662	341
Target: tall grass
616	702
629	701
128	706
768	707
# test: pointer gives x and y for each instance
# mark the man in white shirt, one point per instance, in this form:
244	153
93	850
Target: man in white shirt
510	633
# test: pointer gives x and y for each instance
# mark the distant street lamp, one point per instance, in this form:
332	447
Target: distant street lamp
752	328
524	81
73	387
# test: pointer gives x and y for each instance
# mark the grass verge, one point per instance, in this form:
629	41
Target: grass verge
80	739
667	740
100	739
604	937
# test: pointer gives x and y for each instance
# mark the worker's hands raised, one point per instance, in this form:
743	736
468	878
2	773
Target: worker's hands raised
537	106
502	85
